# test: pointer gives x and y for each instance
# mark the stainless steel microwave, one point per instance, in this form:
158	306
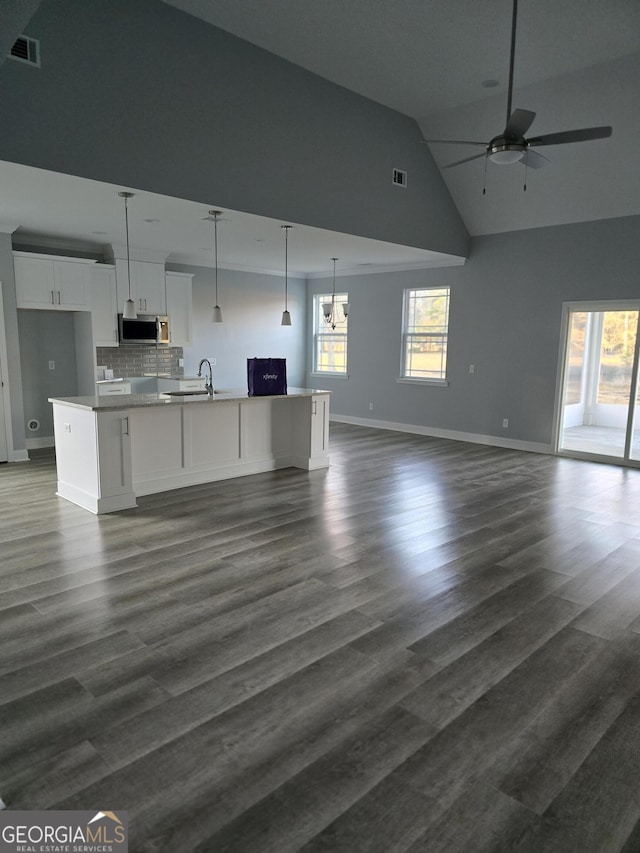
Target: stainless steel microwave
145	329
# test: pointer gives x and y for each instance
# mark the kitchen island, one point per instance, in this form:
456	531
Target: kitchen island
110	450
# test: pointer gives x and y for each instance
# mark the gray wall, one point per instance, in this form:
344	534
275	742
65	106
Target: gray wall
252	307
13	344
46	336
143	95
505	318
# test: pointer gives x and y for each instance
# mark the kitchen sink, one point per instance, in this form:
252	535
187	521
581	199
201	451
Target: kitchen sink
186	395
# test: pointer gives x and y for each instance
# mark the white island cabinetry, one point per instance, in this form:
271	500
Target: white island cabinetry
109	451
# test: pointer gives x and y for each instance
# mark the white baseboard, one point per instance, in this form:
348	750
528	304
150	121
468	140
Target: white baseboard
37	443
18	456
451	434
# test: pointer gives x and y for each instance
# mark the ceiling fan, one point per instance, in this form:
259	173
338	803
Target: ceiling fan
511	146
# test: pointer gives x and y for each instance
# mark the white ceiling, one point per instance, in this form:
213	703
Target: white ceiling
577	65
48	209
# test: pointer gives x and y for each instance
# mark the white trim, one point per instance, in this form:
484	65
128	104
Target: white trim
328	374
442	383
373	269
597	457
37	443
451	434
19	456
69	259
4	390
599	306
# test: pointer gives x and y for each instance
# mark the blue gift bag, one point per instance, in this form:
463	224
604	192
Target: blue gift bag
266	376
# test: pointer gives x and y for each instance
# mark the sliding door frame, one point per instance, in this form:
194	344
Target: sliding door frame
590	307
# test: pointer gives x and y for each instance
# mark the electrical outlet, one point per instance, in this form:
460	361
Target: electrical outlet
505	422
213	362
67	427
370	407
472	368
52	365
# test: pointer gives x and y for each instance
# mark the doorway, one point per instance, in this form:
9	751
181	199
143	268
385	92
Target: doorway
599	389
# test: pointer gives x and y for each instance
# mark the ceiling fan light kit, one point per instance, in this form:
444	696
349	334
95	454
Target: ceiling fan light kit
511	146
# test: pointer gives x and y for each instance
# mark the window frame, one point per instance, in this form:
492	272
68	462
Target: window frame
322	332
409	300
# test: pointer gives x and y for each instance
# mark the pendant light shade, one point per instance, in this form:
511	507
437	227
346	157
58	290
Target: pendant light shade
286	316
130	312
129	309
217	310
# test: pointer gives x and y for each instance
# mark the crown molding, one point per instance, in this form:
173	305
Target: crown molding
376	269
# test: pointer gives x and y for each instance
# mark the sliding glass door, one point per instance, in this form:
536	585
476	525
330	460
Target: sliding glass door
600	393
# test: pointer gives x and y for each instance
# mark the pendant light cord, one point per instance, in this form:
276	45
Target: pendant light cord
215	241
126	224
286	265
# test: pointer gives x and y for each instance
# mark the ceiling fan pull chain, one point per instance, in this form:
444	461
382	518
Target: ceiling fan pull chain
526	166
486	160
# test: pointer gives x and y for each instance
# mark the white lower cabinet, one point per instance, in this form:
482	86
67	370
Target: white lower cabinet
193	383
107	457
93	458
319	425
113	388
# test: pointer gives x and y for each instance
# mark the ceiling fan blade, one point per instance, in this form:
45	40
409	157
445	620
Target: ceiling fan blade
452	142
585	134
533	160
519	123
466	160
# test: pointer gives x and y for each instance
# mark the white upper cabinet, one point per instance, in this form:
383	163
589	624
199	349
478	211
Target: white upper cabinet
147	286
179	289
50	282
102	300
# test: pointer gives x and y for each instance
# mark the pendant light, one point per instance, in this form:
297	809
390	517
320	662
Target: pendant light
217	310
129	311
330	309
286	316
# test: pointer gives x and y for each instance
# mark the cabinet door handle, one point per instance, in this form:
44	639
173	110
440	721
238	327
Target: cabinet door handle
125	426
59	302
53	301
315	407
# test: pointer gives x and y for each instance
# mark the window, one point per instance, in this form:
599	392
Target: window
329	345
424	335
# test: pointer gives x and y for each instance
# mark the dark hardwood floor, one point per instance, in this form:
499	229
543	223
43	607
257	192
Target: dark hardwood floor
432	646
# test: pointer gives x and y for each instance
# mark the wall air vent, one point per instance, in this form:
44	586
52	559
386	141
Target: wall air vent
399	178
27	50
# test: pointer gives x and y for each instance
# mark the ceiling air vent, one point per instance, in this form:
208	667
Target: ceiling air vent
26	50
399	178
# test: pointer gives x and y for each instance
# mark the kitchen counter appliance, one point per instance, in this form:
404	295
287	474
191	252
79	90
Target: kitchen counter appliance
145	329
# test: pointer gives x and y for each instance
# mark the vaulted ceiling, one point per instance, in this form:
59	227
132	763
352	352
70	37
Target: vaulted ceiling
577	65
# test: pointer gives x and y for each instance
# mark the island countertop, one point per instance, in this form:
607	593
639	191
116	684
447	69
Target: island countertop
135	401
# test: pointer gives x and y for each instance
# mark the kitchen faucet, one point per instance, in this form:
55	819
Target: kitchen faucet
208	385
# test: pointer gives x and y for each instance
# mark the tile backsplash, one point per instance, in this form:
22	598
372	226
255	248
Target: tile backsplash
139	360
